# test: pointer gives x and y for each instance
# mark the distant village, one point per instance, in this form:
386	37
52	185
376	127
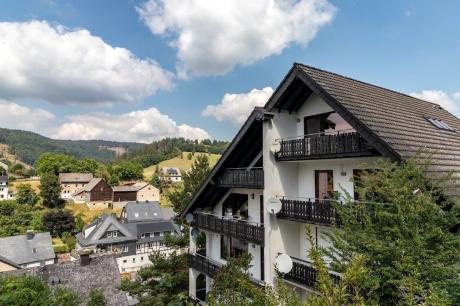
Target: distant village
109	248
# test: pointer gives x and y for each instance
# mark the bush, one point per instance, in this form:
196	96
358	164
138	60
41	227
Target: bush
61	248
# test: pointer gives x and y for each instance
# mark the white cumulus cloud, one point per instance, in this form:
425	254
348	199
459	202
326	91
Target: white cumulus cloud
14	116
60	65
211	37
235	108
139	126
439	97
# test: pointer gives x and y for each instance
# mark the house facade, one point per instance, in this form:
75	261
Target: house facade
26	251
147	192
292	157
139	231
4	194
171	174
71	183
96	194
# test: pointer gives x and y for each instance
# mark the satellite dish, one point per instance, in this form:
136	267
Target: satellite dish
195	232
189	218
275	147
283	263
273	205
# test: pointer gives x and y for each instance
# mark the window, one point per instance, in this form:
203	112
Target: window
142	258
111	234
125	261
143	235
125	249
440	124
156	234
138	247
324	185
134	259
150	245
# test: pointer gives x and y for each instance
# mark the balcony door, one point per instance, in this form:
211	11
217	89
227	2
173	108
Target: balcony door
324	184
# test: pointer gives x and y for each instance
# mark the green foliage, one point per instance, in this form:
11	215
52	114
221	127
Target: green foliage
26	195
157	182
61	248
165	282
126	170
79	222
191	181
50	190
168	148
58	221
28	146
56	163
69	240
403	228
96	298
32	290
17	219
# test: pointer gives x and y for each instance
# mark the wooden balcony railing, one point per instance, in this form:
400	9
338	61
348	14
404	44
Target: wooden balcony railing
309	211
247	231
203	264
242	178
304	274
317	146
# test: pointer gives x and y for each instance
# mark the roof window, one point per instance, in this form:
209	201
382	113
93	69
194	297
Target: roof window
440	124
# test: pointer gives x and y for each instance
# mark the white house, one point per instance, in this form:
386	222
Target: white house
171	174
4	194
316	132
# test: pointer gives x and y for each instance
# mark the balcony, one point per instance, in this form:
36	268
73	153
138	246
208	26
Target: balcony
309	211
303	273
322	146
242	178
203	264
251	232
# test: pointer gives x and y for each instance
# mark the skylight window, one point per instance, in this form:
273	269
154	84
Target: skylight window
440	124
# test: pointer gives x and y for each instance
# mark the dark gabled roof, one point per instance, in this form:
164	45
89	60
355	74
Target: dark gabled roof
9	262
142	211
102	273
104	224
394	123
246	145
20	250
75	177
128	188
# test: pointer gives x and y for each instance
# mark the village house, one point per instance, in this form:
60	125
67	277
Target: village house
96	194
5	194
170	174
81	276
139	191
316	132
139	231
26	251
147	192
71	183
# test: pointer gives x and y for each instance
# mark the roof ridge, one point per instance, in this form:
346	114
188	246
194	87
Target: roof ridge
367	83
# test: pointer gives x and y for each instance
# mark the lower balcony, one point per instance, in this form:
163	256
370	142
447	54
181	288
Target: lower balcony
203	264
250	232
309	211
242	178
304	274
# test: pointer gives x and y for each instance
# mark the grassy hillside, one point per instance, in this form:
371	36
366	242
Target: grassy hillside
182	163
27	146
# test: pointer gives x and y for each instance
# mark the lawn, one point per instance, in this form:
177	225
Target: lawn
182	163
13	186
87	214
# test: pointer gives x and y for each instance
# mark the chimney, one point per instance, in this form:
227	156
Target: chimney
30	234
84	257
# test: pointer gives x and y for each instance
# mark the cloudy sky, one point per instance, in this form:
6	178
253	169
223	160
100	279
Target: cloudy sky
139	70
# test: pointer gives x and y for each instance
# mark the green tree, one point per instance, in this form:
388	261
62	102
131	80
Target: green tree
191	181
126	170
96	298
79	222
403	226
32	290
165	282
26	195
50	190
58	221
69	239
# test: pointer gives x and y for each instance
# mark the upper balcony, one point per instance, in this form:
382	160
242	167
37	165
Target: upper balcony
304	274
242	178
318	211
339	144
251	232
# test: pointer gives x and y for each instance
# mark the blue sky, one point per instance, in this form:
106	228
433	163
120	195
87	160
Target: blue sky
189	90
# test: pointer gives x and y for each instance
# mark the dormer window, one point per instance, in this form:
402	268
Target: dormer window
440	124
111	234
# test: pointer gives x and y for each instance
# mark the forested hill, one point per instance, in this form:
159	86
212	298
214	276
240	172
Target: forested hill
168	148
28	146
